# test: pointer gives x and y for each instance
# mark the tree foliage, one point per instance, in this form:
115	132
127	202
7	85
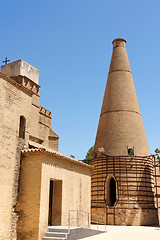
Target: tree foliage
89	156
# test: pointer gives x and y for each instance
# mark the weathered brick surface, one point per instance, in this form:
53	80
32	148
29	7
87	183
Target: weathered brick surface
156	174
126	217
120	128
13	104
17	99
134	188
120	124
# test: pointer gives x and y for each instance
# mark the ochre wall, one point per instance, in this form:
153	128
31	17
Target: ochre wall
75	190
13	104
29	198
156	174
16	101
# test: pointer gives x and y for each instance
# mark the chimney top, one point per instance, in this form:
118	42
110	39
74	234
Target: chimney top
119	42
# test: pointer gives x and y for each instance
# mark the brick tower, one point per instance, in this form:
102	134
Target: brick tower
122	180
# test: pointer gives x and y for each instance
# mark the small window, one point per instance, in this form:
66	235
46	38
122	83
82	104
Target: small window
22	127
131	152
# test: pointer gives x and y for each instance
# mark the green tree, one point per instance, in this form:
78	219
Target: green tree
89	156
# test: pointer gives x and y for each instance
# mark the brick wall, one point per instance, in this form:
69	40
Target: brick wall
13	104
16	101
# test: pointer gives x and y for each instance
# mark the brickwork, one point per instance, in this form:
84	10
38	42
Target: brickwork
120	124
156	174
19	97
29	200
126	217
25	181
135	198
122	184
13	104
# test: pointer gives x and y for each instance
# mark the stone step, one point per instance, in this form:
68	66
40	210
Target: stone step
53	238
56	234
74	233
52	229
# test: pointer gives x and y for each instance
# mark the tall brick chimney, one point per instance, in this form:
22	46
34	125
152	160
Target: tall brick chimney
120	124
122	180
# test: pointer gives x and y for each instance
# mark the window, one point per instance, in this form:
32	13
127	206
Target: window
131	152
22	127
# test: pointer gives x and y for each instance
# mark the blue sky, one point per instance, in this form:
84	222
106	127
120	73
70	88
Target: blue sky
70	42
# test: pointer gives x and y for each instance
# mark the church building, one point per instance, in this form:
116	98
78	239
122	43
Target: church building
38	184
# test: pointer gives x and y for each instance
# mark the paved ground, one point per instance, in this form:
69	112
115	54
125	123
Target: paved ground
127	233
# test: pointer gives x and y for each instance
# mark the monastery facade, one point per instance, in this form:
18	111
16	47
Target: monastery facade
38	185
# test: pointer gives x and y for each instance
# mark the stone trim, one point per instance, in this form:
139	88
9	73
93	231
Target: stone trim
37	106
13	82
45	112
24	62
121	111
118	70
53	137
44	124
28	83
35	139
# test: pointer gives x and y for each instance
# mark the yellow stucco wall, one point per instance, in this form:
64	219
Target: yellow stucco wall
33	204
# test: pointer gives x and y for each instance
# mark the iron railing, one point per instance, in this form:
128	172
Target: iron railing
82	219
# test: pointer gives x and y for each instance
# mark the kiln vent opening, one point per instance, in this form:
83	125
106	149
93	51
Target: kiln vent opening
112	186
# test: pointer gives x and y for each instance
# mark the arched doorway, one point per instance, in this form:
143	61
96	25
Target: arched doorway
110	191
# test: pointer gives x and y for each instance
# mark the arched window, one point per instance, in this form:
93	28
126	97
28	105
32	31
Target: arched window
110	191
22	127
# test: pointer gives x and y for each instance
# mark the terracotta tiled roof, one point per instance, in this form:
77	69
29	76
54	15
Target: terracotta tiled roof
52	152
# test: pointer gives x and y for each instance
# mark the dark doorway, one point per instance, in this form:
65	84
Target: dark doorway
55	203
50	203
112	192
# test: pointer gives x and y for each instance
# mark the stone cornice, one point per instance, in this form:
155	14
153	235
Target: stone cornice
45	112
28	83
16	84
